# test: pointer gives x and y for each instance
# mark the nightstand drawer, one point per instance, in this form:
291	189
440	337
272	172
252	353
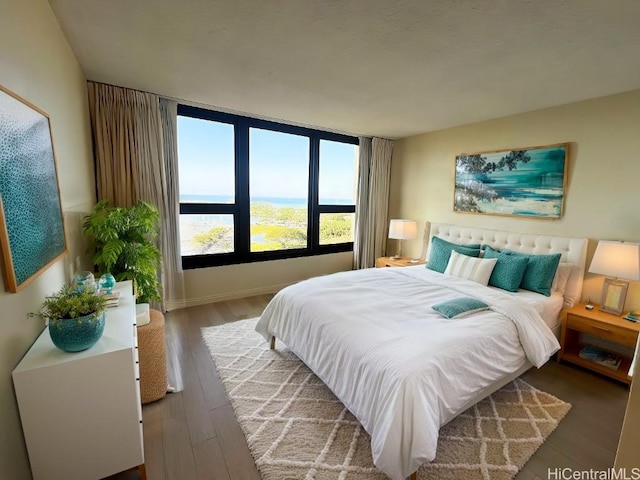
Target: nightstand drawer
611	332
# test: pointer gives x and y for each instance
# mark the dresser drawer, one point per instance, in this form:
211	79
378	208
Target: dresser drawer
604	330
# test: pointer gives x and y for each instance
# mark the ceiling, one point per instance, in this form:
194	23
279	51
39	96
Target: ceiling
388	68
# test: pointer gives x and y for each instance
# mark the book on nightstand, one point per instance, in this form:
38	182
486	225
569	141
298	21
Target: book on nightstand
601	357
112	298
632	317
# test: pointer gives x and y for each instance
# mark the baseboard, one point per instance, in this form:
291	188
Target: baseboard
222	297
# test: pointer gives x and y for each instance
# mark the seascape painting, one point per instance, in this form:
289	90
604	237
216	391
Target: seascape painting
31	229
526	182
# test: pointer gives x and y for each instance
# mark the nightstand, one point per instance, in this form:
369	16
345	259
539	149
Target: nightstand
613	328
397	262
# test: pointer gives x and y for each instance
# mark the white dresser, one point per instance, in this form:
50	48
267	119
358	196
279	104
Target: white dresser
80	412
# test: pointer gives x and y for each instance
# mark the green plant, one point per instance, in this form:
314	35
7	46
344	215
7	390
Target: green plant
71	303
123	239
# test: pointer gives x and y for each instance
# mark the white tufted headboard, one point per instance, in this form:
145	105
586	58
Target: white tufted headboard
573	250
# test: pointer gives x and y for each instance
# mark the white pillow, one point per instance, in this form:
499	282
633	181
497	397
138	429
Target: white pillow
562	277
471	268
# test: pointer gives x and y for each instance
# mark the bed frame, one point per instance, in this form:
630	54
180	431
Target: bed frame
573	250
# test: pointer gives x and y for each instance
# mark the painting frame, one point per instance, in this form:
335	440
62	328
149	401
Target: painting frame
32	230
614	294
517	182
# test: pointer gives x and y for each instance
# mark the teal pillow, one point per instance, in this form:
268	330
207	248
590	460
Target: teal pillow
509	270
538	277
460	307
441	251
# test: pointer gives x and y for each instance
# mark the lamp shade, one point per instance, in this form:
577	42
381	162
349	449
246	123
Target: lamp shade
403	229
617	259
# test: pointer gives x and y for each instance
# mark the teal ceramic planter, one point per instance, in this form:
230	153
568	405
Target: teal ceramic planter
76	334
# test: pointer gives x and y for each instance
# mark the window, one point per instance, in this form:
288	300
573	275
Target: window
252	190
206	173
337	186
278	190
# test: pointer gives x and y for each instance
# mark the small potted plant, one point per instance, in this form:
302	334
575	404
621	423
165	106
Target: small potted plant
76	317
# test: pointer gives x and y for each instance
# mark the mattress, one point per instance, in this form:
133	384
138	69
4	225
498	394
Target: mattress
547	307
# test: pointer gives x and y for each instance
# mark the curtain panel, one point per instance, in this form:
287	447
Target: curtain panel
174	277
132	138
374	172
113	123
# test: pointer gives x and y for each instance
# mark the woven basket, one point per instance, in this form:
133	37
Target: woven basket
152	355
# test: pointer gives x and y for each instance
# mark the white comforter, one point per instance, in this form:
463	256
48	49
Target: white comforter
398	366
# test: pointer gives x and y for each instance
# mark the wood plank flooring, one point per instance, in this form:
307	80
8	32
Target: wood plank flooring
193	434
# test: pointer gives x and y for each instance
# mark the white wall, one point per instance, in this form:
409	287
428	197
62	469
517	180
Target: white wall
214	284
602	196
37	63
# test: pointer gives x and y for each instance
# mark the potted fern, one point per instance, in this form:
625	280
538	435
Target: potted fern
123	239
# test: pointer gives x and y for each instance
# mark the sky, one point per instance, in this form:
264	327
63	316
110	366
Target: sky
278	162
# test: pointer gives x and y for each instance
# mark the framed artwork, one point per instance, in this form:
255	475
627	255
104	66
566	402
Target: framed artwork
32	233
526	182
614	293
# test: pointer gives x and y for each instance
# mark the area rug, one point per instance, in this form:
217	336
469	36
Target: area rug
297	429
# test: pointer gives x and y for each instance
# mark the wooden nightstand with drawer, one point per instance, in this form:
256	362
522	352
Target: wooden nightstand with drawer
578	320
397	262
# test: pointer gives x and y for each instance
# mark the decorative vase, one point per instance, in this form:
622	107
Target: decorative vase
106	283
76	334
84	280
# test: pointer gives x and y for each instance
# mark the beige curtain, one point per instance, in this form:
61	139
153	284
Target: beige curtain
113	122
174	278
129	149
374	171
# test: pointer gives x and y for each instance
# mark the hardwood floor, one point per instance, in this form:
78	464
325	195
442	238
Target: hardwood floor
193	434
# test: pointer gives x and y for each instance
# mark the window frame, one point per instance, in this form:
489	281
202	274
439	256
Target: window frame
240	209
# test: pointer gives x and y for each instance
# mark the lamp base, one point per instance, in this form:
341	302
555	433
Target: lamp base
398	254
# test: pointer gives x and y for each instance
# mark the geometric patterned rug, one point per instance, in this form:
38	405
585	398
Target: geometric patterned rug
297	429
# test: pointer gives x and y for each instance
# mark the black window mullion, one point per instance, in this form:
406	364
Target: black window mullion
207	208
242	219
313	228
336	208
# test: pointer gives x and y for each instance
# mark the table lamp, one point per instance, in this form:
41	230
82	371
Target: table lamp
621	261
400	229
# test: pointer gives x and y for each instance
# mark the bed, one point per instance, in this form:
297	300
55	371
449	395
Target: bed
404	370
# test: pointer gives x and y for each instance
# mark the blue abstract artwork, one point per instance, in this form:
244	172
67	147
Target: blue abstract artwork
526	182
31	227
